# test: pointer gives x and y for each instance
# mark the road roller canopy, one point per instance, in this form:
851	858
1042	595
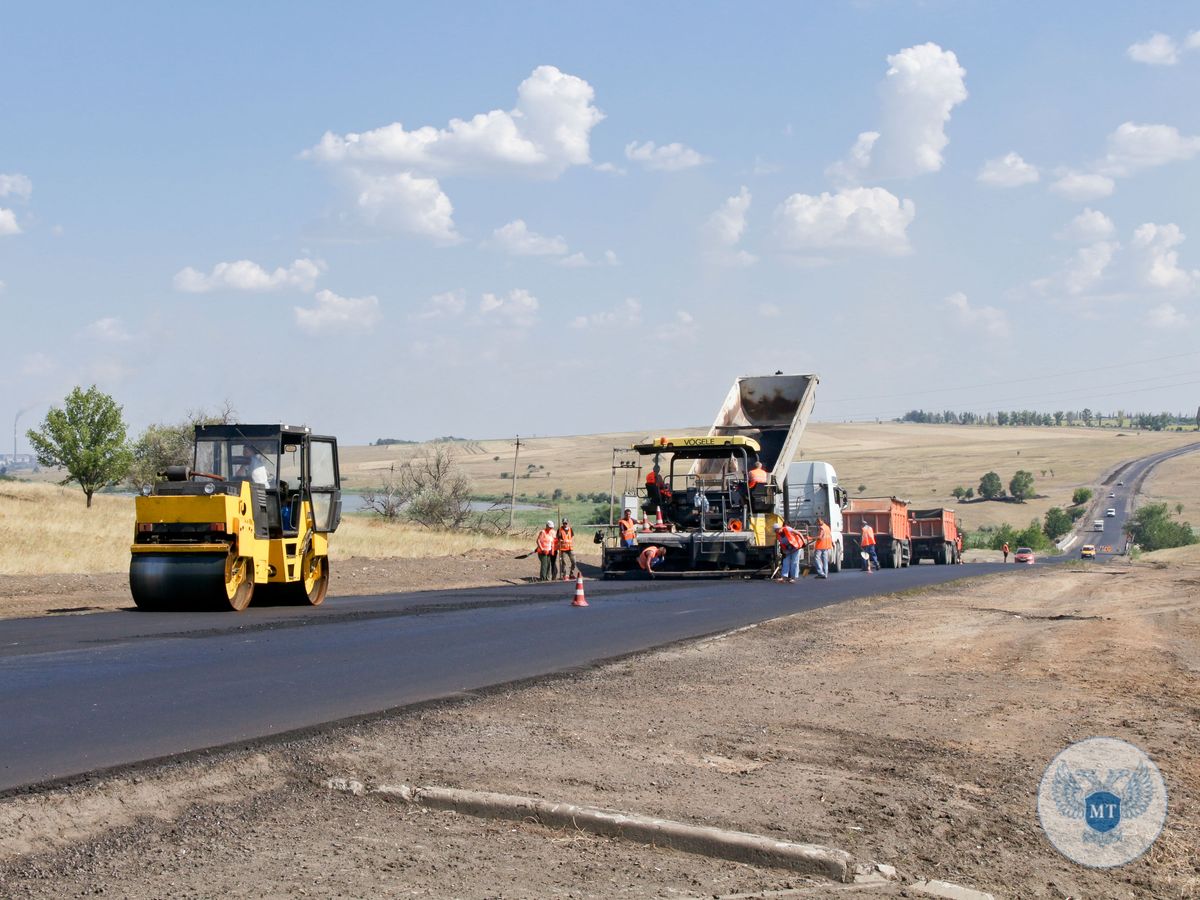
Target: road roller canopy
279	457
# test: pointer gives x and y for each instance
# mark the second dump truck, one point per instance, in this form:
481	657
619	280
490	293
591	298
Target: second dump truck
888	517
933	535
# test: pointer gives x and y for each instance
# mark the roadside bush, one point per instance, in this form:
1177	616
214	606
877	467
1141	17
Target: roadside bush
1081	496
1057	523
1152	528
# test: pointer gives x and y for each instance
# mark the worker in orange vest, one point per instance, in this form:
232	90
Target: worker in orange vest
791	542
867	542
650	557
566	550
958	544
758	475
627	528
822	547
545	552
1004	550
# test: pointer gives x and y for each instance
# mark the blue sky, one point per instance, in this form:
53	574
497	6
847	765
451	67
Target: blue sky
210	203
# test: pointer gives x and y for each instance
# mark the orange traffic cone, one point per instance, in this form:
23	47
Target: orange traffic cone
579	600
659	524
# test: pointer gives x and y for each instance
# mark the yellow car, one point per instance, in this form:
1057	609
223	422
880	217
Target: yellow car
1087	551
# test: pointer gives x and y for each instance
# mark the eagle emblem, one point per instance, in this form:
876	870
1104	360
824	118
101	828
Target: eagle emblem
1102	803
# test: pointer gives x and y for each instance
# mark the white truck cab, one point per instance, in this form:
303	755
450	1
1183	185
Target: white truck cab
810	491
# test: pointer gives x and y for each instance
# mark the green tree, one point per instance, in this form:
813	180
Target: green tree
1057	523
1152	528
163	445
1081	496
990	486
861	488
1021	485
87	437
959	492
969	493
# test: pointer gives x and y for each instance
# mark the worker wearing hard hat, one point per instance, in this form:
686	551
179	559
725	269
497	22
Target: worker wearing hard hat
791	542
566	550
821	548
545	551
627	529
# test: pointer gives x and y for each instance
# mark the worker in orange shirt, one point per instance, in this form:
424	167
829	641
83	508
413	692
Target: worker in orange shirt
757	475
791	542
1004	550
545	552
650	557
958	544
867	542
822	547
627	529
566	550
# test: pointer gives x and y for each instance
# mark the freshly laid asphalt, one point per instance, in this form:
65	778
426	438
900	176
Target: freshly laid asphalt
86	693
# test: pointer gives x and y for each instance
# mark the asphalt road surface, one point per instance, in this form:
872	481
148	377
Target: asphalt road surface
85	693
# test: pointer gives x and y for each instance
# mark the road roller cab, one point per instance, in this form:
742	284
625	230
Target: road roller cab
250	517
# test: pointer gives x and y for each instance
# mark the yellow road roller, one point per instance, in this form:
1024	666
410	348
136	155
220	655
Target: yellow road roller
251	517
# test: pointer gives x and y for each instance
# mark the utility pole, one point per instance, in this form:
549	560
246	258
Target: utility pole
512	497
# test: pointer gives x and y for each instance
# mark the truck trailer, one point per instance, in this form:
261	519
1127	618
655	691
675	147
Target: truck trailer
888	516
934	535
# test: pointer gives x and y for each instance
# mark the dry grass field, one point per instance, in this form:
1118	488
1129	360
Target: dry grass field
1176	481
45	529
923	463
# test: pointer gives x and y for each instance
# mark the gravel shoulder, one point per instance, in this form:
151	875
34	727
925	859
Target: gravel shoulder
907	729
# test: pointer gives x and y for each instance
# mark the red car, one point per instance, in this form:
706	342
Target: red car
1024	555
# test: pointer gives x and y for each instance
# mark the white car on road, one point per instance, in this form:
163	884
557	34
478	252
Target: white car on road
1110	512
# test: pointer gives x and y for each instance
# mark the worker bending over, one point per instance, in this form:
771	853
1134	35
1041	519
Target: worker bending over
545	550
791	542
651	557
868	546
627	528
566	550
822	547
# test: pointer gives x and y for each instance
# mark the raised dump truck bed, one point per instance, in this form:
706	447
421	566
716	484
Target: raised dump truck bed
934	534
888	516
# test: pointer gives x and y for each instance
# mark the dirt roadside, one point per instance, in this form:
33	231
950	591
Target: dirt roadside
909	730
40	595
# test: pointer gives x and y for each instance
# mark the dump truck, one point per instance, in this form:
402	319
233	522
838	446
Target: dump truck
888	516
811	492
933	535
713	521
251	516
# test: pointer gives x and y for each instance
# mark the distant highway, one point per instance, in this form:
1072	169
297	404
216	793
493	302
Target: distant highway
84	693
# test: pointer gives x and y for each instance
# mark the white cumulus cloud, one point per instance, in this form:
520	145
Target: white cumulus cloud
922	86
545	133
1132	147
1157	50
332	312
517	239
518	307
1081	186
871	219
245	275
1009	170
8	223
15	185
1089	226
108	329
667	158
628	313
986	319
444	305
1165	315
406	203
583	261
1158	258
724	229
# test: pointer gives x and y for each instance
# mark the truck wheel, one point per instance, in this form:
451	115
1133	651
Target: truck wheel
835	559
897	556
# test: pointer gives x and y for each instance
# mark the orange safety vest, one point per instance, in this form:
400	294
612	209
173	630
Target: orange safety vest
824	538
1005	548
758	475
545	542
868	535
648	555
566	538
628	529
790	539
